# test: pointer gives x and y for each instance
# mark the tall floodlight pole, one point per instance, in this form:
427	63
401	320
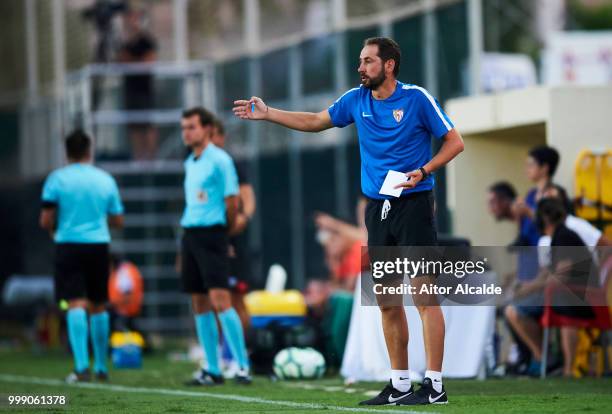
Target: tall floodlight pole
252	23
342	185
475	45
338	14
181	39
252	36
296	195
430	51
58	26
59	46
31	48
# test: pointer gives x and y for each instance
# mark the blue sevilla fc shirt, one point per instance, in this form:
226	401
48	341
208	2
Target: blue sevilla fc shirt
394	133
208	180
84	196
528	265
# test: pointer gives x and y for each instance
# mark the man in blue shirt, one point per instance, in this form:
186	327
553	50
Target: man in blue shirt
211	190
394	122
526	310
79	202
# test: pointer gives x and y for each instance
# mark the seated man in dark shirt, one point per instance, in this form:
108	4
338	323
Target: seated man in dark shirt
571	267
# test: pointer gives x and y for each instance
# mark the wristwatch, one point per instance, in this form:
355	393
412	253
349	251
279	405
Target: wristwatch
425	173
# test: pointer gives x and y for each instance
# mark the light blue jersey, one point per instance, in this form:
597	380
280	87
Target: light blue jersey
394	133
84	197
209	179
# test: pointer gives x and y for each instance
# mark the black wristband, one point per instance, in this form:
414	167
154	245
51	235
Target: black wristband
425	174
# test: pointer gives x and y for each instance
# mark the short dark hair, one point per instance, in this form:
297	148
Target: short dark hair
206	117
503	189
545	155
219	125
567	203
552	209
78	145
387	49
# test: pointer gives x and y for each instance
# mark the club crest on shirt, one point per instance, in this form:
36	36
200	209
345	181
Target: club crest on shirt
398	114
202	196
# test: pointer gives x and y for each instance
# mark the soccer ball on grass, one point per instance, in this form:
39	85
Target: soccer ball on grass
299	363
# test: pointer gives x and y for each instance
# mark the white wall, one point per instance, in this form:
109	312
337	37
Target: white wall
488	158
500	129
580	118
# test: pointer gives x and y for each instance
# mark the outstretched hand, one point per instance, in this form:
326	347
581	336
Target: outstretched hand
254	108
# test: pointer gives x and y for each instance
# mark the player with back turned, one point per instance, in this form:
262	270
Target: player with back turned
395	122
79	202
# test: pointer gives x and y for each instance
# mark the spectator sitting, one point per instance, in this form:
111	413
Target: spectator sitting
342	242
526	310
342	254
571	264
540	169
590	235
541	165
331	302
500	200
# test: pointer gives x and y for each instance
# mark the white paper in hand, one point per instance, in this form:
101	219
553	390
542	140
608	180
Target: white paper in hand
392	179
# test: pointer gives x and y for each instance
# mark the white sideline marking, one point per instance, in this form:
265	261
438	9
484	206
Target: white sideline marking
348	390
180	393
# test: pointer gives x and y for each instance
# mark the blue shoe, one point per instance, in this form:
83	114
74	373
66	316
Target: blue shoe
534	368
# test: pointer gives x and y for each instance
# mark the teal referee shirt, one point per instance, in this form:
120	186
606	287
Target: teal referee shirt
84	196
209	179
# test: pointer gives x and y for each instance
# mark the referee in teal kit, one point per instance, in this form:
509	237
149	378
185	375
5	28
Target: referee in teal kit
395	122
211	201
79	201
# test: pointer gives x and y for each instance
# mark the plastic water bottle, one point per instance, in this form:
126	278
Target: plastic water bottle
277	278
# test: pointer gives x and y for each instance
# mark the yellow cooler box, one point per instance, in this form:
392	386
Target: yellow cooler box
286	308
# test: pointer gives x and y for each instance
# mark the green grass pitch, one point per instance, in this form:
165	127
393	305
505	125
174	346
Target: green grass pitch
158	388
